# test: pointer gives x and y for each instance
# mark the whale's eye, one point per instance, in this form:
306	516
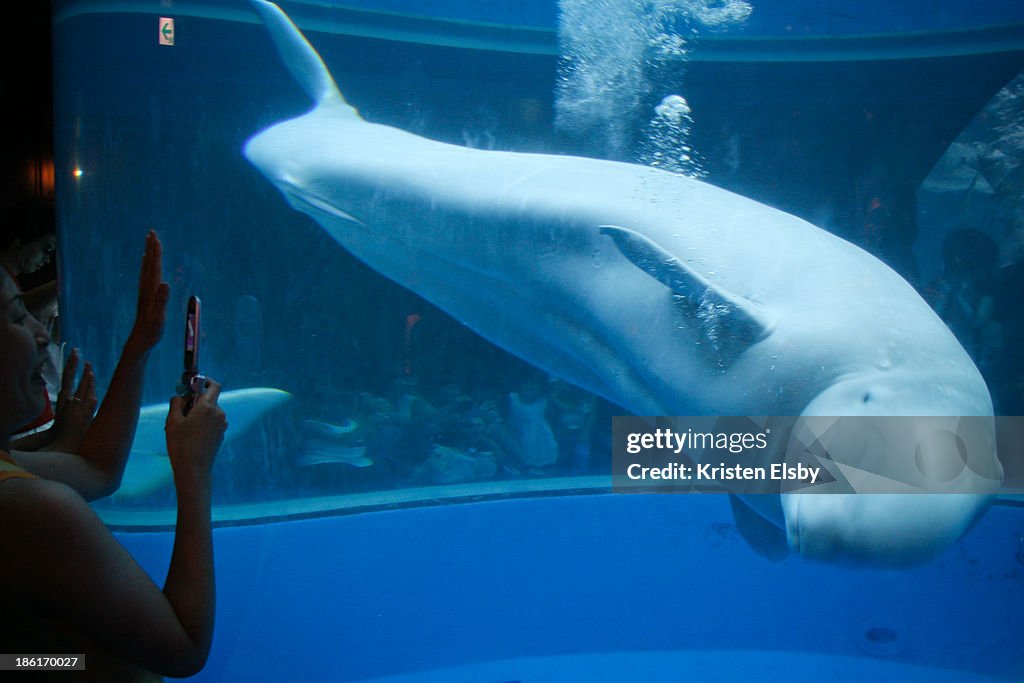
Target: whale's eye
867	397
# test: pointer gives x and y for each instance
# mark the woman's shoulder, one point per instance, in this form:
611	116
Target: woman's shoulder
36	497
44	524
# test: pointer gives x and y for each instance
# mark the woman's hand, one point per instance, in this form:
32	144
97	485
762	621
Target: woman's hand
153	295
74	411
193	439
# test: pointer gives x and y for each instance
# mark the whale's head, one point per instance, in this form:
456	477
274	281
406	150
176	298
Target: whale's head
914	460
931	384
878	529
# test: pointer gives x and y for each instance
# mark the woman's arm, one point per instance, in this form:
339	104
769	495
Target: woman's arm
66	564
104	450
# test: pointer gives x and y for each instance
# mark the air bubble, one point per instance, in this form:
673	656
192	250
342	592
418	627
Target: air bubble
612	51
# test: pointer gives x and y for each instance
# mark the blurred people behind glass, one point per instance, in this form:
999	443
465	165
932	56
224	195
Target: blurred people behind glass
964	295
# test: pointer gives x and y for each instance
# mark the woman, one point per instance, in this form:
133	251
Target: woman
28	236
70	587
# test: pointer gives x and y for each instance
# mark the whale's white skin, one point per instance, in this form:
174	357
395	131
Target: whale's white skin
661	293
148	468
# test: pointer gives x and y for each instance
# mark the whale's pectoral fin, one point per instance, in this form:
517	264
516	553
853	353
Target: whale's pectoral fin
724	317
764	538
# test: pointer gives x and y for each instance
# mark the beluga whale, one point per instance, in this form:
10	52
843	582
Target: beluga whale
664	294
149	470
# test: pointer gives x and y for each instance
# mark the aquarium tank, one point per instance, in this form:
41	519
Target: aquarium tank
459	262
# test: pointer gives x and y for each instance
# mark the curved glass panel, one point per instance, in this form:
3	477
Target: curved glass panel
351	376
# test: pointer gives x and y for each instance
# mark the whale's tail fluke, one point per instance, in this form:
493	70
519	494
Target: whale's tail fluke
301	60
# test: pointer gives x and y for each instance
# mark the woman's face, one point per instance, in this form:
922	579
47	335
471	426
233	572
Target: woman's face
36	254
23	343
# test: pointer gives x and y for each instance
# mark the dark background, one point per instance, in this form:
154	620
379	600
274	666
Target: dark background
26	99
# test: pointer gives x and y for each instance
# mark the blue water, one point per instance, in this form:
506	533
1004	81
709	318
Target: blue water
157	133
594	587
837	112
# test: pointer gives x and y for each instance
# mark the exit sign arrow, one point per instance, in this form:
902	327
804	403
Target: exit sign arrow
166	31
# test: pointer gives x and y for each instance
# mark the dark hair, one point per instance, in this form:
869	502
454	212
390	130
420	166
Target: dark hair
5	276
27	221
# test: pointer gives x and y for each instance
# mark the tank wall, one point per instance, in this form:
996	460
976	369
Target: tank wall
151	136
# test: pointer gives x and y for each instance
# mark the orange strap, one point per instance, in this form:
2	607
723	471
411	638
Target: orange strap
11	470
